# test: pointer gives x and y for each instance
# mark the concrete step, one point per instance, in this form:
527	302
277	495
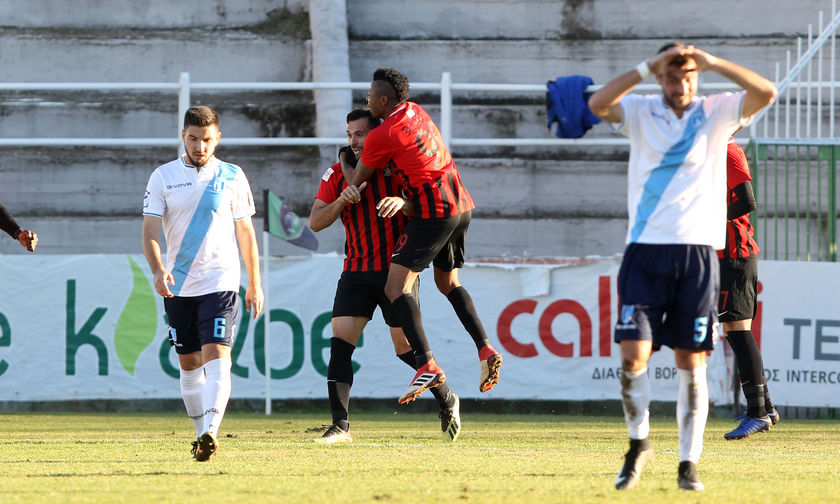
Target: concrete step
102	182
501	238
596	19
126	55
151	115
539	189
537	61
99	182
131	13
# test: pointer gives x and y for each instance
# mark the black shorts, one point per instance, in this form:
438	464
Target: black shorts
360	292
668	295
199	320
738	284
436	241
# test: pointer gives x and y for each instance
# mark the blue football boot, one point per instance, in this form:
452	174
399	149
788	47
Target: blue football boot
748	427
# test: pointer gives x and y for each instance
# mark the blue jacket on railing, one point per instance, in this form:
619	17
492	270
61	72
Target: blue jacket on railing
565	103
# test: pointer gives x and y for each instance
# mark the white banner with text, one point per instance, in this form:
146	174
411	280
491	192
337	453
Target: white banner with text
92	327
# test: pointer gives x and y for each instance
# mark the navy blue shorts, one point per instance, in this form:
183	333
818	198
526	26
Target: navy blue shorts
436	241
668	295
738	287
360	292
199	320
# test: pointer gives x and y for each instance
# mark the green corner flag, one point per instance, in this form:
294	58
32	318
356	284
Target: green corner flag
282	222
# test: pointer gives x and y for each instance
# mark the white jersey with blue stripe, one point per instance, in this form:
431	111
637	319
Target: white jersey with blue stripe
676	191
198	208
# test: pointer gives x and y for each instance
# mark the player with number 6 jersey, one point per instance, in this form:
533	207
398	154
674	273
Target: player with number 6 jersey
204	206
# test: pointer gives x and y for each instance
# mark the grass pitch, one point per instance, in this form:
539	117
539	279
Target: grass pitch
401	457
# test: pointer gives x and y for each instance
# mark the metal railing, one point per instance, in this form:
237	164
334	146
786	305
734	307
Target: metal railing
795	163
185	86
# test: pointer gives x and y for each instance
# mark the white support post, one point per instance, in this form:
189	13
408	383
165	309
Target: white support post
267	318
446	107
183	105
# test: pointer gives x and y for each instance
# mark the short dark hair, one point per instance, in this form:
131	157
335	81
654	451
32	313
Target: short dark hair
678	61
397	81
200	116
358	113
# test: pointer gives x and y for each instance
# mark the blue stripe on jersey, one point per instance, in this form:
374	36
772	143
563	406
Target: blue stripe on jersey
200	223
662	175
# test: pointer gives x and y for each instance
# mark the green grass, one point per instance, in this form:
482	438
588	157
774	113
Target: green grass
399	458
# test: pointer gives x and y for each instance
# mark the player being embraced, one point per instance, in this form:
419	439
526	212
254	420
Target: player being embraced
409	144
738	289
668	281
371	228
204	206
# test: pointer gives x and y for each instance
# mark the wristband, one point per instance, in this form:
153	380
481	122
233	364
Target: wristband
643	69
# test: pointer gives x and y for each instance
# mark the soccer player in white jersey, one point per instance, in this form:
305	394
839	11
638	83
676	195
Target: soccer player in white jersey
205	207
676	198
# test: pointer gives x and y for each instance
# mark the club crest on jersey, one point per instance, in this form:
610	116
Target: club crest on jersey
218	184
696	120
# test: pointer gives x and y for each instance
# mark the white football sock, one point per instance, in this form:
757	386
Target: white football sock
216	393
192	389
635	399
692	411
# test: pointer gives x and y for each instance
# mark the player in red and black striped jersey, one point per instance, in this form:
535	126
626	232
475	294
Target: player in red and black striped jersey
410	145
737	303
371	227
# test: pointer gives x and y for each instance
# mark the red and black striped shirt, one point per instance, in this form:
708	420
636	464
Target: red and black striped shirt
739	231
369	239
410	144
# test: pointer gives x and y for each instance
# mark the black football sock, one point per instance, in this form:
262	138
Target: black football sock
639	445
442	393
408	315
768	405
465	309
751	370
339	380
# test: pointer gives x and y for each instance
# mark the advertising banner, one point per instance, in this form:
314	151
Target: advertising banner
92	327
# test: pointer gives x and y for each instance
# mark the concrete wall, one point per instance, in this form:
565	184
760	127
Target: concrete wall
532	201
154	14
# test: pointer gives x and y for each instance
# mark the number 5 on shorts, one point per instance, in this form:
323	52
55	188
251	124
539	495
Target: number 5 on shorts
701	326
219	328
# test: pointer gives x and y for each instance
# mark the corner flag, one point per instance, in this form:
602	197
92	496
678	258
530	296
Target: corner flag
282	222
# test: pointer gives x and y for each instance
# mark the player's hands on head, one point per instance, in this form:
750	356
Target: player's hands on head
163	279
704	60
389	206
254	299
28	239
353	194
